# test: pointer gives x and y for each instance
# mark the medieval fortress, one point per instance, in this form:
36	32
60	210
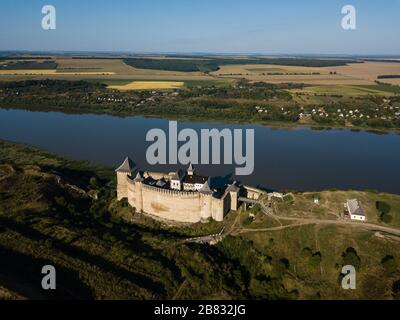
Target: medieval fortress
178	196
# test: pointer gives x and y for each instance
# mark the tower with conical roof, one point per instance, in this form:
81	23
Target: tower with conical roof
206	201
123	171
190	170
233	191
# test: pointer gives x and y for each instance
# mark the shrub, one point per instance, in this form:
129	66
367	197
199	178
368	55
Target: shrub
383	207
306	253
389	263
386	218
284	263
316	259
350	257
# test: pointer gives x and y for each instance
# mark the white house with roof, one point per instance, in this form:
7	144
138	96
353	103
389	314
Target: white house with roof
188	181
355	210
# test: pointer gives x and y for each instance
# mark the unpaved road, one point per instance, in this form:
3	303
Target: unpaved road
307	221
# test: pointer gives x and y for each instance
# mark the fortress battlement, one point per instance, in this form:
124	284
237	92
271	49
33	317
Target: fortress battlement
174	193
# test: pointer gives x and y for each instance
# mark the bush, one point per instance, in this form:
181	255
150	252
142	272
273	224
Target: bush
350	257
386	218
383	207
306	253
389	263
284	263
316	259
312	258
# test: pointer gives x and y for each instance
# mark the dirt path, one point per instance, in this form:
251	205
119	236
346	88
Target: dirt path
307	221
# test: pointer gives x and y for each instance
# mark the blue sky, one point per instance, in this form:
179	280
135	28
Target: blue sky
221	26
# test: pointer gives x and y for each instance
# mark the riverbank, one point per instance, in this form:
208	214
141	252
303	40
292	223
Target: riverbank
204	118
242	102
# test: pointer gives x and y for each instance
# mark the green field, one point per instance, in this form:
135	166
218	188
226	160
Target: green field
350	90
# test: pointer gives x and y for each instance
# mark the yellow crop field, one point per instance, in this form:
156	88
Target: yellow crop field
284	74
369	71
353	74
148	85
27	72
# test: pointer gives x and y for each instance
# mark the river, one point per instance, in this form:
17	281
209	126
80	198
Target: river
297	158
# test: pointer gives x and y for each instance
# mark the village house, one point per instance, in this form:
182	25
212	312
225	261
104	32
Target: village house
354	210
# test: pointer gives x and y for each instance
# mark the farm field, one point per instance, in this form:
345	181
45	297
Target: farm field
369	71
353	74
125	72
69	68
347	90
148	85
294	74
50	72
115	69
114	83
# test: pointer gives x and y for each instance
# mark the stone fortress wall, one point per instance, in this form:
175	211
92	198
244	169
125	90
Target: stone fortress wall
146	195
169	204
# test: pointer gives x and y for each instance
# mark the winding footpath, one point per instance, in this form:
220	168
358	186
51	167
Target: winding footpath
308	221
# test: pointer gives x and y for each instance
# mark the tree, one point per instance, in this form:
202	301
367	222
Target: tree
389	263
351	258
383	207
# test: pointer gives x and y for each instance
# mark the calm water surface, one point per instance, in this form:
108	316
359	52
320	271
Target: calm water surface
299	158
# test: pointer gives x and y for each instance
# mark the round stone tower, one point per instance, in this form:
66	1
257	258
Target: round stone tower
123	172
206	201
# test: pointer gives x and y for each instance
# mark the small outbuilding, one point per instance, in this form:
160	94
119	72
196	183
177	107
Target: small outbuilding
355	210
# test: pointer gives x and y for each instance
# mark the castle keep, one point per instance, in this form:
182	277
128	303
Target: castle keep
179	196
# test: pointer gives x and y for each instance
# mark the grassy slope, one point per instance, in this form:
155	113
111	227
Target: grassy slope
331	205
321	279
